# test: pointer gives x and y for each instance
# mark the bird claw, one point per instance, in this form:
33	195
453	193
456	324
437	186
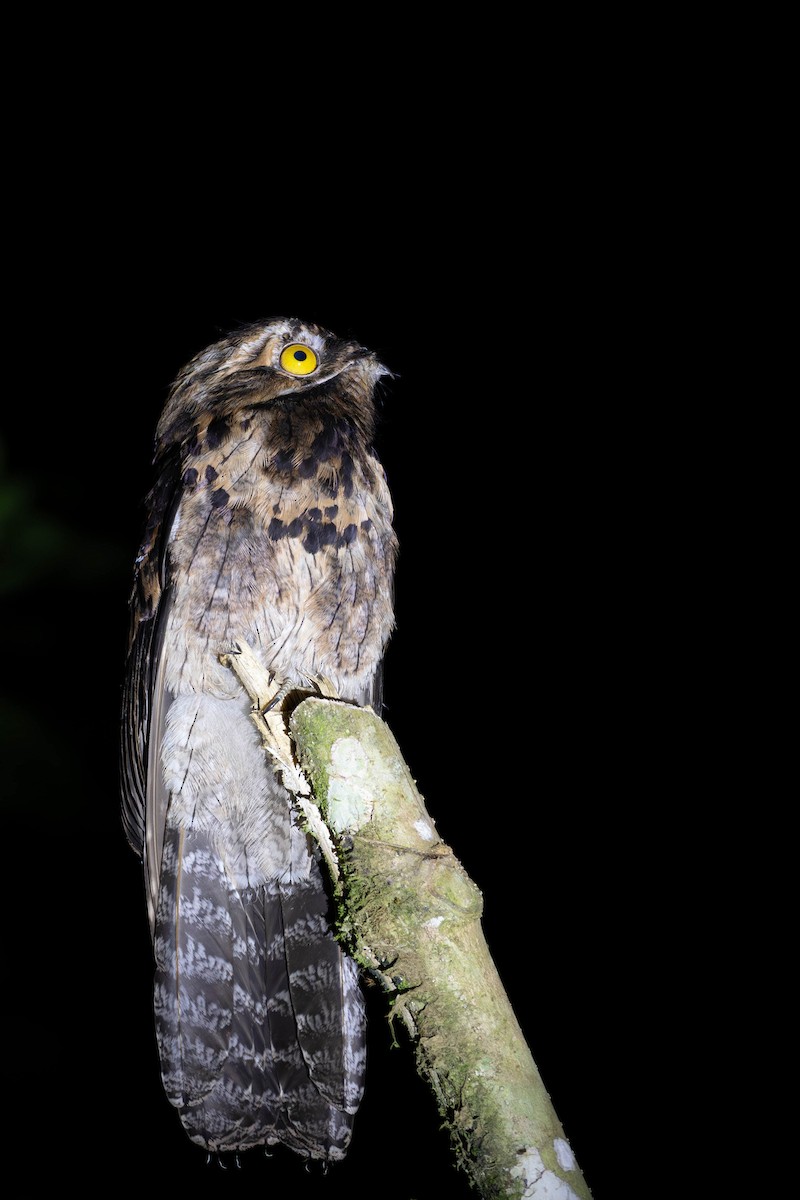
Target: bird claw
324	686
311	1163
216	1159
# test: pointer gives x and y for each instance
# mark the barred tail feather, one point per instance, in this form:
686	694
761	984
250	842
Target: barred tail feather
259	1015
325	998
194	969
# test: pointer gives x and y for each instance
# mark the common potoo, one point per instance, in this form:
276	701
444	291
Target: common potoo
270	524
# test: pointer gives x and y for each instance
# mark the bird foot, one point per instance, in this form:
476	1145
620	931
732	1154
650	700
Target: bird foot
323	687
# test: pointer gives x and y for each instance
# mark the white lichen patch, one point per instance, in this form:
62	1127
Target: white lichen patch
540	1183
566	1159
434	923
350	802
424	830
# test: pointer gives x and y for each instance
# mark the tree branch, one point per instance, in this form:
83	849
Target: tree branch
410	916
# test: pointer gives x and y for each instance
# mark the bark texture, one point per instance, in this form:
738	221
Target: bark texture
411	916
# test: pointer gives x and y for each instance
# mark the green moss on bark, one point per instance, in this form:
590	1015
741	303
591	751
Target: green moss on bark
411	914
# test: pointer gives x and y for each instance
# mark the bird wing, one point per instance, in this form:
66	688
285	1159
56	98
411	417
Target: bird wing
145	700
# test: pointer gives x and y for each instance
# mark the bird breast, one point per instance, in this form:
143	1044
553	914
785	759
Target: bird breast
284	551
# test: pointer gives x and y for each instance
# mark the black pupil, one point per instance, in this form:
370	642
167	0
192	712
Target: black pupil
300	355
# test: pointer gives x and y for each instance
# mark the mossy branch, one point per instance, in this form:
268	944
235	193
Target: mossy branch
411	917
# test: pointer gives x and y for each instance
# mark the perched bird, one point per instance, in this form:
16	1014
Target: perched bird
269	524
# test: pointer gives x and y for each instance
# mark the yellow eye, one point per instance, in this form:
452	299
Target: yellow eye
298	359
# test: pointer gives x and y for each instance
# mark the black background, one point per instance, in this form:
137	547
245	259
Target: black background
530	229
496	680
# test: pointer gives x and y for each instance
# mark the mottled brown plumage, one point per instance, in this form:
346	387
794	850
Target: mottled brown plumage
270	524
